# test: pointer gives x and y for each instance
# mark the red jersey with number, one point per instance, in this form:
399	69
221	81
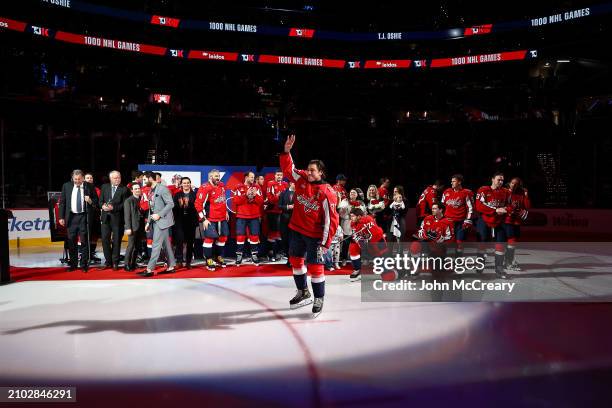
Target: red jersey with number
426	200
366	229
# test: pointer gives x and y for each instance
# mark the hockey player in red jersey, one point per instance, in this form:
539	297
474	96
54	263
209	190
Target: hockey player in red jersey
273	212
211	206
340	185
435	229
512	224
428	197
248	200
493	203
365	231
459	203
313	225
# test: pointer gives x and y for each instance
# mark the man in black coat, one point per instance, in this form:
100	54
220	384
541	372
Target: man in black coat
185	221
134	226
285	203
112	196
76	211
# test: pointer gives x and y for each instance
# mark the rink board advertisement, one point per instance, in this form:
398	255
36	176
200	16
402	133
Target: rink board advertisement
28	223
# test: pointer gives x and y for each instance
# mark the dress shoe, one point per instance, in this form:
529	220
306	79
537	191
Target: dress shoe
128	268
85	268
188	266
178	265
71	269
148	274
170	270
106	266
115	267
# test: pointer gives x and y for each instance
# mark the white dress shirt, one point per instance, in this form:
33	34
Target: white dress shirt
73	199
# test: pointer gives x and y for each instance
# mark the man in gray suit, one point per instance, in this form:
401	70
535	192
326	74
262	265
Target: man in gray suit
160	220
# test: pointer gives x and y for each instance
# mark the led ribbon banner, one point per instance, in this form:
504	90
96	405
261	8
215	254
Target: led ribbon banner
309	33
140	48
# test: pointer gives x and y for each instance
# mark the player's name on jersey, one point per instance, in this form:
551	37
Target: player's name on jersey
476	285
560	17
61	3
242	28
115	44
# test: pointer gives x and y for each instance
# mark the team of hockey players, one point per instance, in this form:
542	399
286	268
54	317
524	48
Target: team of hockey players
326	223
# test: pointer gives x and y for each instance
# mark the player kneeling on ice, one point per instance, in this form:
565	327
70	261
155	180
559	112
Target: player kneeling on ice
434	233
365	230
313	225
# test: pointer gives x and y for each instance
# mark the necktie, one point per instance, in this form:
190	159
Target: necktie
114	189
79	204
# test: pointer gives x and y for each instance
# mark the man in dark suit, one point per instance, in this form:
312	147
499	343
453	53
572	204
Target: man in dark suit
285	203
134	226
112	196
76	210
185	221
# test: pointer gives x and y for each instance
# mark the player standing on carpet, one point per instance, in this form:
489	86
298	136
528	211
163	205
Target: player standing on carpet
274	189
248	200
211	206
313	225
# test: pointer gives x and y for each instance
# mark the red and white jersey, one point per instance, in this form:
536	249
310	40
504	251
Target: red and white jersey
145	198
488	200
443	228
245	207
426	200
273	191
520	204
383	193
340	189
314	212
366	229
459	204
210	202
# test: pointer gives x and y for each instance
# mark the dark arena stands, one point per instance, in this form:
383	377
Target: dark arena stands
306	203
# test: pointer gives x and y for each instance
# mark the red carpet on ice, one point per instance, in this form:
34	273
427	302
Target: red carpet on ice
19	274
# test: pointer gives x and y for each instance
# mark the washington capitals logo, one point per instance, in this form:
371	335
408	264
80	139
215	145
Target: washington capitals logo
309	205
454	203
